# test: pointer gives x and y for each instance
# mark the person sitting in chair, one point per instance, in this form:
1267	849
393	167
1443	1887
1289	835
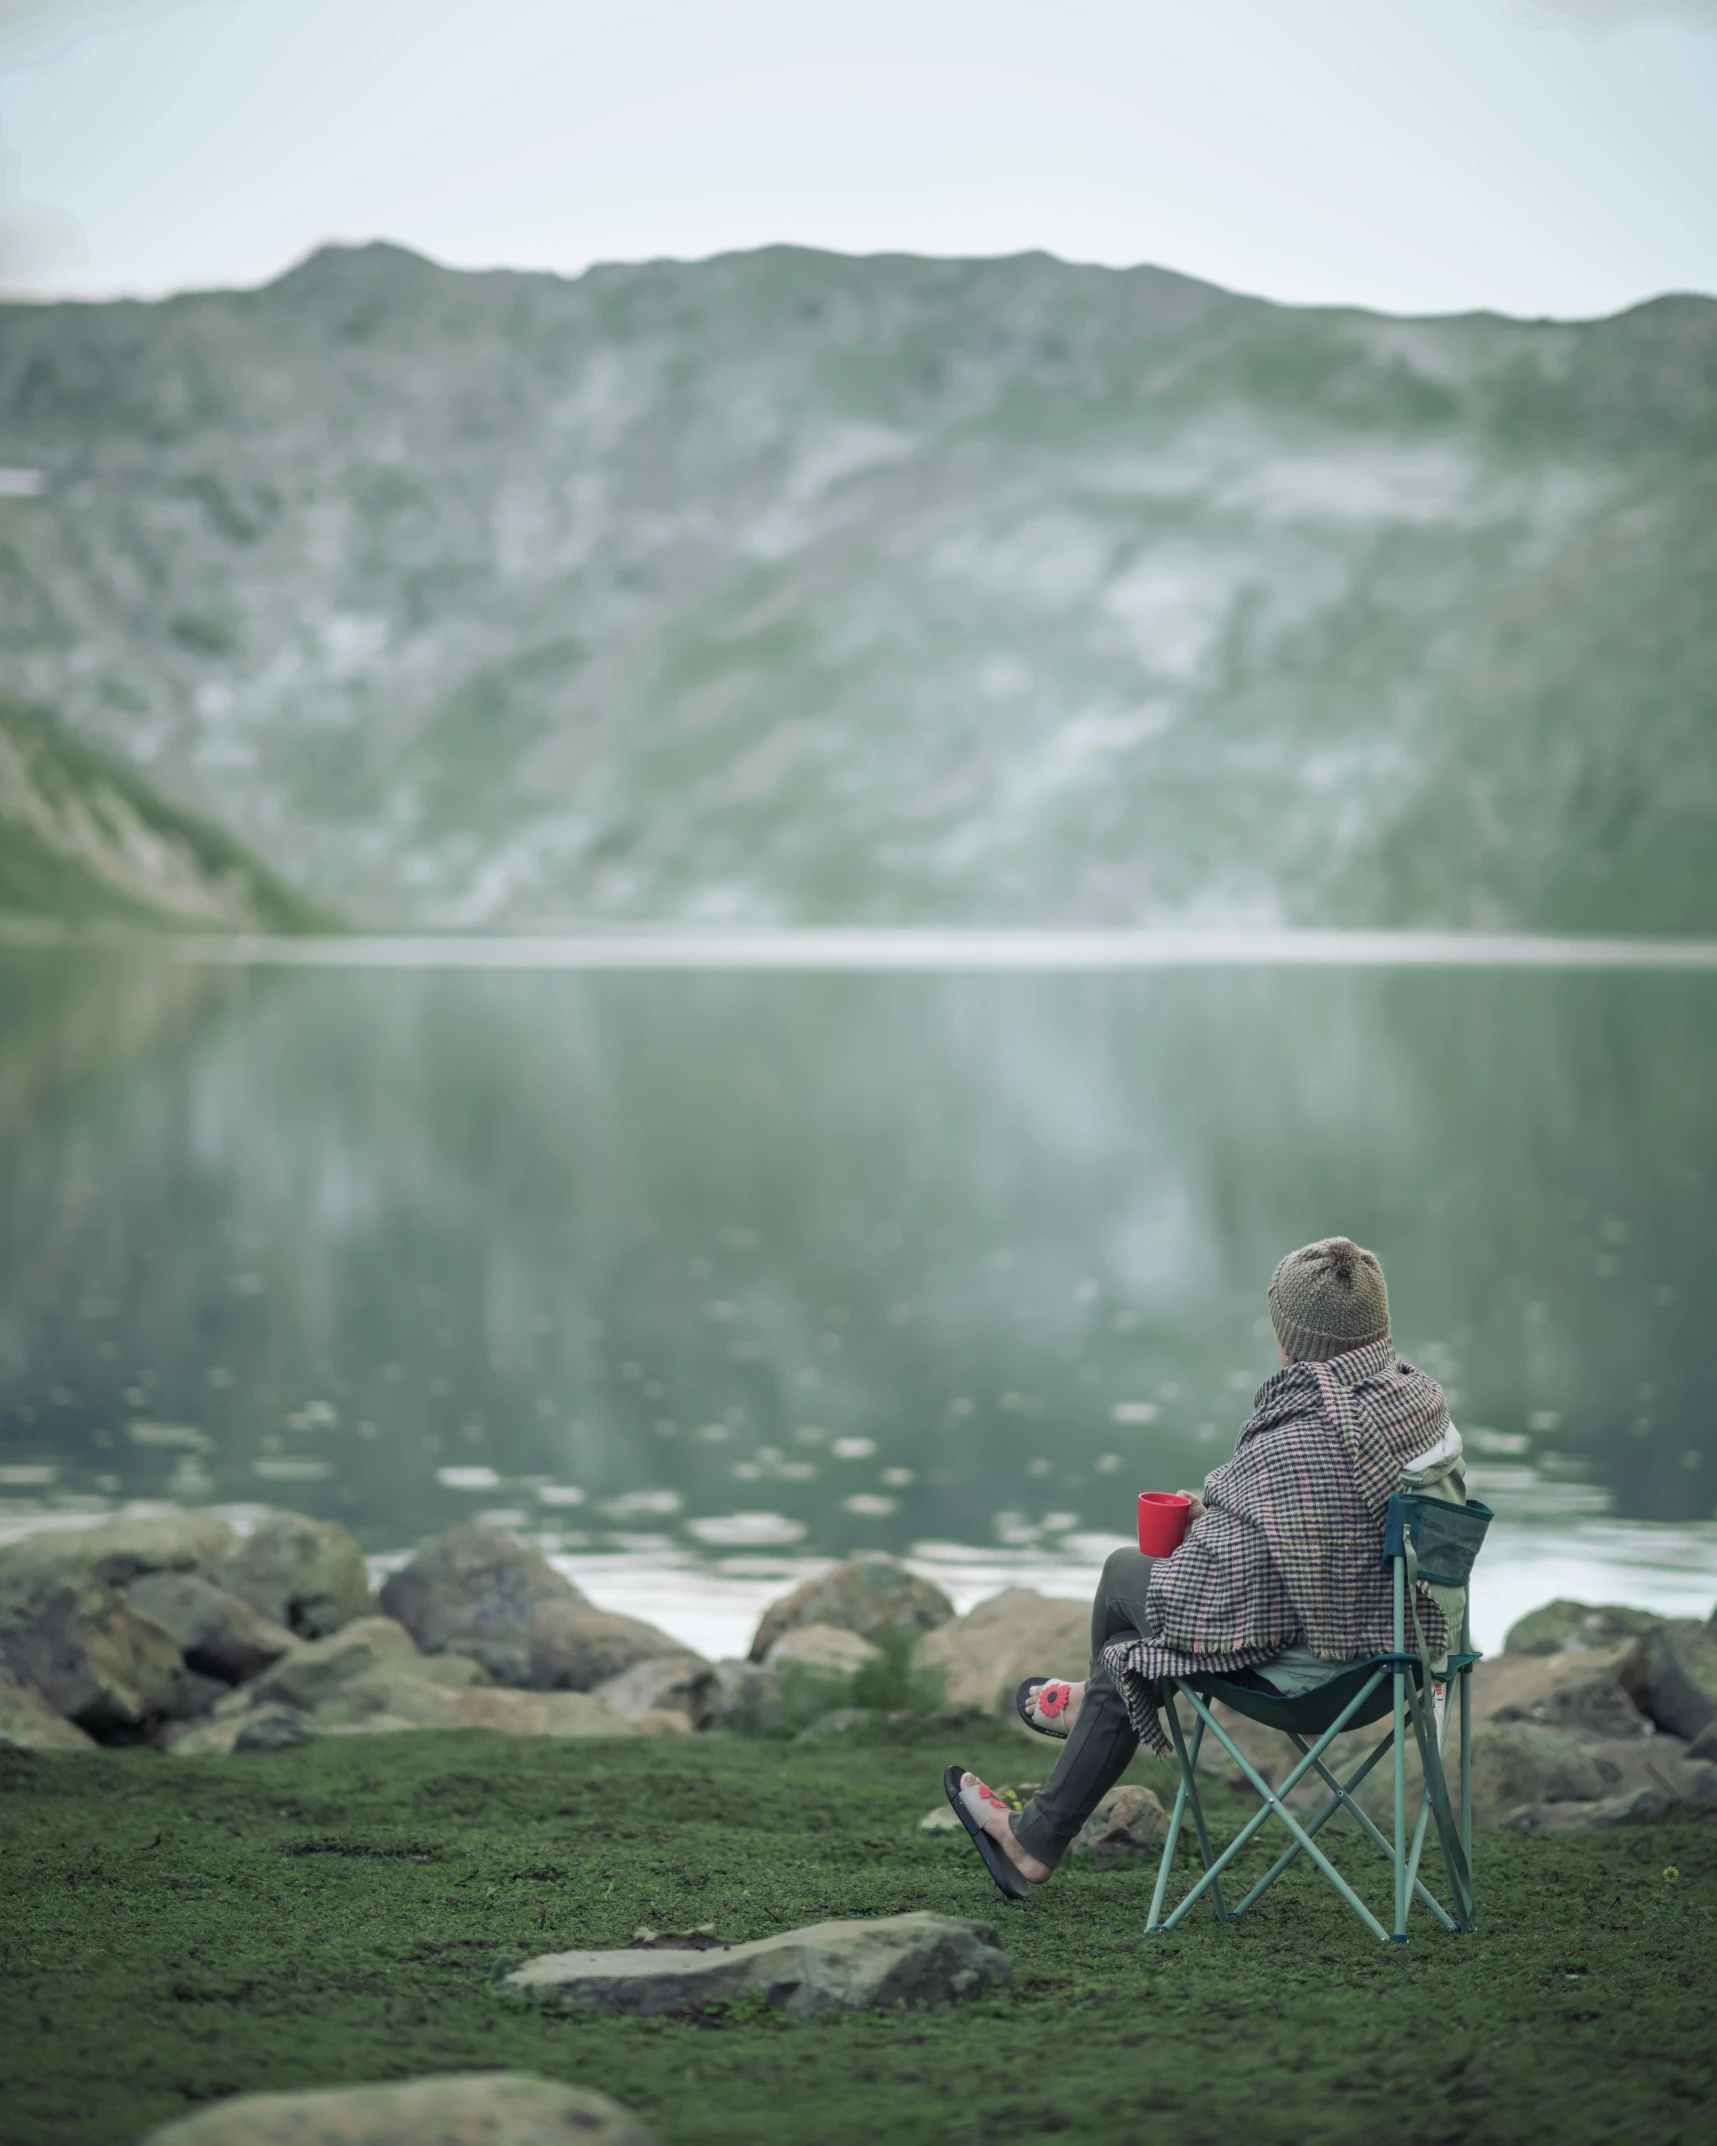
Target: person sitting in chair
1280	1571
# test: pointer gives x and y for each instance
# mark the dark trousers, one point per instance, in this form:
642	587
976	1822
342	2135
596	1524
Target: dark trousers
1103	1741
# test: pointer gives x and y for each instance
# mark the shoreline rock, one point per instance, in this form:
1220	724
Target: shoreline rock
870	1594
219	1634
369	1678
673	1684
822	1650
121	1548
488	1594
1562	1626
308	1575
29	1723
68	1631
1671	1676
574	1646
157	1628
988	1653
95	1661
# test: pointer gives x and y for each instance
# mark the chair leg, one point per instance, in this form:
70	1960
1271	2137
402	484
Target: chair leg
1467	1759
1274	1800
1398	1855
1439	1733
1171	1840
1291	1853
1344	1796
1189	1772
1437	1794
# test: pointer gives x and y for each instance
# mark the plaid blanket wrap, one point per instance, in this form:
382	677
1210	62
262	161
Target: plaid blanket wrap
1288	1550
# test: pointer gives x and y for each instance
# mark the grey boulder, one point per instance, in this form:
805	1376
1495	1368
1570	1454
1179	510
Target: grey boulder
830	1967
1671	1676
824	1650
198	1696
29	1723
1516	1763
462	2109
985	1655
474	1591
308	1575
1562	1625
1579	1689
68	1633
369	1679
750	1701
358	1671
218	1633
271	1728
116	1550
1125	1829
663	1683
571	1645
1633	1807
94	1659
872	1595
1672	1787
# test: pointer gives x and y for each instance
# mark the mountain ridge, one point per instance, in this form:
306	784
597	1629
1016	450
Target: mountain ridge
790	587
385	249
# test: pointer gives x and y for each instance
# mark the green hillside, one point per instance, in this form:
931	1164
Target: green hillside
787	587
85	840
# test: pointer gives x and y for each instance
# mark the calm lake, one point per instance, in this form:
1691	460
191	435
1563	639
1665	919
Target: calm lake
696	1275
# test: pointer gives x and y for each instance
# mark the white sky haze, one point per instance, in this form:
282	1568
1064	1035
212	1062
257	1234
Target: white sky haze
1534	156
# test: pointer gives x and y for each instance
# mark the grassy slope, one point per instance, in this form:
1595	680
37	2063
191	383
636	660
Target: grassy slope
46	879
176	1931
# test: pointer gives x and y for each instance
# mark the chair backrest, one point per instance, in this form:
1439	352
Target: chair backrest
1445	1538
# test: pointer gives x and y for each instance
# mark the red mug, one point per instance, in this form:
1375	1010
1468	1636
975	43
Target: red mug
1164	1517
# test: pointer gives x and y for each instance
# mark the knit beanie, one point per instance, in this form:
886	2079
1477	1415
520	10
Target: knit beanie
1328	1298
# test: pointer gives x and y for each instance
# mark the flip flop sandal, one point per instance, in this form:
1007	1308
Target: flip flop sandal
1009	1878
1044	1704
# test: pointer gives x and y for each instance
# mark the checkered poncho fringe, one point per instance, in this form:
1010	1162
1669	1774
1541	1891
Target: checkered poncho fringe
1289	1549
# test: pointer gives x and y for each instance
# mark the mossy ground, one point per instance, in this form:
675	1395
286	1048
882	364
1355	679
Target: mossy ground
174	1931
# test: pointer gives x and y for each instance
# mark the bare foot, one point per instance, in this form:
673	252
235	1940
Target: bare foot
992	1815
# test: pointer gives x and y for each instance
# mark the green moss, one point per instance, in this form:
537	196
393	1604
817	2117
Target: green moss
176	1931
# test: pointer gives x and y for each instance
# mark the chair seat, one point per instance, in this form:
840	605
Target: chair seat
1310	1713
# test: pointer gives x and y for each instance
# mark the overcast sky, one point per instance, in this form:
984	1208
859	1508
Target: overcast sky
1536	156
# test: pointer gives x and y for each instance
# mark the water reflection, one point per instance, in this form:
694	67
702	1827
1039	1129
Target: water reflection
713	1264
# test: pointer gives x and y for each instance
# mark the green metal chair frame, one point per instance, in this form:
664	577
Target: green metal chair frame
1397	1684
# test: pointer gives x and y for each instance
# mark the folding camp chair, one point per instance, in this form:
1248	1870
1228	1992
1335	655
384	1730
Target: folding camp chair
1425	1538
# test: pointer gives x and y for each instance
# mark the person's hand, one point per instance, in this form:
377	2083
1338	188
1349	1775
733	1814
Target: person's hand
1198	1507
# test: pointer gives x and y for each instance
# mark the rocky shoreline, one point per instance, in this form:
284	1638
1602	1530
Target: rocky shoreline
174	1631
